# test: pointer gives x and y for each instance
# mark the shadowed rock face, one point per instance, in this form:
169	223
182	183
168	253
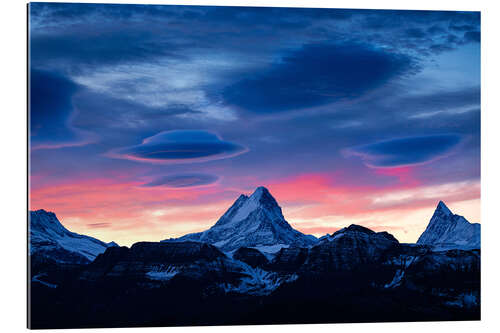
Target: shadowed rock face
170	282
450	231
351	248
290	259
454	260
147	266
175	252
157	261
252	257
255	221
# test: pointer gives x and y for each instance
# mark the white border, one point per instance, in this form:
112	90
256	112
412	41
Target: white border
13	164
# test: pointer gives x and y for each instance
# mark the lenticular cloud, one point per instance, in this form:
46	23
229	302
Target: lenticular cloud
180	146
405	151
183	180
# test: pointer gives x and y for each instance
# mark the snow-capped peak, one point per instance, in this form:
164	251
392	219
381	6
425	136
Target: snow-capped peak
261	192
261	198
450	231
49	237
252	221
441	207
46	222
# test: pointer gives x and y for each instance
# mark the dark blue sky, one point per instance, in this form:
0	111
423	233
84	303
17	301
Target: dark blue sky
208	102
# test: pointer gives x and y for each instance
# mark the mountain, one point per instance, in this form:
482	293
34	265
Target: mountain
254	221
450	231
51	240
162	263
157	261
350	248
354	275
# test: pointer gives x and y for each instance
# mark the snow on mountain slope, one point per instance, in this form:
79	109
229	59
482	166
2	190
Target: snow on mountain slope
256	281
150	263
450	231
51	239
256	221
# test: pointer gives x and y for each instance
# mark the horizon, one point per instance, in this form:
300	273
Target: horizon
147	122
249	195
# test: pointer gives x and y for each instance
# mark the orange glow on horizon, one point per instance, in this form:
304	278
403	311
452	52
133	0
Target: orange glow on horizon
312	203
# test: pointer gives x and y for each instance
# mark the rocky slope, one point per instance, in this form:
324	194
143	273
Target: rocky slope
255	221
350	248
150	264
49	239
450	231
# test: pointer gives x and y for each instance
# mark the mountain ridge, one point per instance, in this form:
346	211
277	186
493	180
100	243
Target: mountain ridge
254	221
48	237
356	268
447	230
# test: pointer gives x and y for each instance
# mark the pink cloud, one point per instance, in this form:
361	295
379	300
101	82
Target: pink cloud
322	195
315	203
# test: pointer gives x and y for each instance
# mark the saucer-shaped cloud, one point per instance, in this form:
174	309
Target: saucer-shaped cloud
183	180
180	146
405	151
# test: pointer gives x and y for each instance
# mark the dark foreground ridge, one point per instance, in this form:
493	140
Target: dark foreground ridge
354	275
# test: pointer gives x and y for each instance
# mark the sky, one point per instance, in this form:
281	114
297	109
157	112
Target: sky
147	122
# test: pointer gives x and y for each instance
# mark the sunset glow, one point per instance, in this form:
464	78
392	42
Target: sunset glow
149	124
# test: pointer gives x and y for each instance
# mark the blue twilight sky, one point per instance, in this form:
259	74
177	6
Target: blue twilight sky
147	121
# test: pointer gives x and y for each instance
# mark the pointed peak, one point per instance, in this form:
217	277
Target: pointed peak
262	195
260	191
252	221
441	207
